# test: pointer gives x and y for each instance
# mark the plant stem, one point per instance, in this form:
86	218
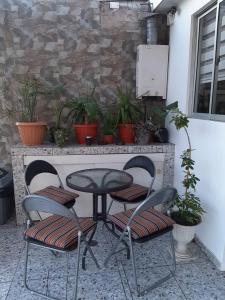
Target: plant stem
188	172
188	137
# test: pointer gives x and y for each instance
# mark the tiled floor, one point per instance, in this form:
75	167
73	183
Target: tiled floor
55	275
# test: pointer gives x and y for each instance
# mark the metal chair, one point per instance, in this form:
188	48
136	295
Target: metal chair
142	224
135	193
59	194
63	232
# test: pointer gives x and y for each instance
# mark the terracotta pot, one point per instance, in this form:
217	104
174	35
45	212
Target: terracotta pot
126	133
83	130
108	139
31	133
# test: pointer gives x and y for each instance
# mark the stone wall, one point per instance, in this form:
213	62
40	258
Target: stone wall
77	43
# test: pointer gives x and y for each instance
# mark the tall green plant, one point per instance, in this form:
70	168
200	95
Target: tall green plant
24	108
28	100
128	112
84	109
188	204
109	123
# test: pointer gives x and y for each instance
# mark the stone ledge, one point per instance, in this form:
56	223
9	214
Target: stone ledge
19	149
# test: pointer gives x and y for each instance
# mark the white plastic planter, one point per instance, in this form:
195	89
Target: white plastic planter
183	235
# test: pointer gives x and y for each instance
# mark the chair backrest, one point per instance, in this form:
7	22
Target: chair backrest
165	195
142	162
37	167
36	203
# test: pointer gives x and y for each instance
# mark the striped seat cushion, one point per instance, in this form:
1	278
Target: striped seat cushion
57	231
58	194
134	193
147	223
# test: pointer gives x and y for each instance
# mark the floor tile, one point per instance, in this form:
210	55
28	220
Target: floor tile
4	288
201	281
147	277
197	255
18	291
98	285
198	279
146	255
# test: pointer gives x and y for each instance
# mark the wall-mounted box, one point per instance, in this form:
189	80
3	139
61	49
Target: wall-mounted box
151	71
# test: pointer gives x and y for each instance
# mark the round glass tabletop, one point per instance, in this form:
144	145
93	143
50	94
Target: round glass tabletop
99	181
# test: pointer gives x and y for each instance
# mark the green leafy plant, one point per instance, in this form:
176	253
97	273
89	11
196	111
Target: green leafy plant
158	114
128	112
188	207
60	136
24	108
84	109
109	123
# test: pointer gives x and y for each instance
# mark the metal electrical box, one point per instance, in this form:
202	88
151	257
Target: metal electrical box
151	71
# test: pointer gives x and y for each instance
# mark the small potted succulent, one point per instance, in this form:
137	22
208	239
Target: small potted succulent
108	127
30	130
58	134
145	132
128	113
84	112
187	211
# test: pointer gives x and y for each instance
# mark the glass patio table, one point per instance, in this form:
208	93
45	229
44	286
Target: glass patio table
99	182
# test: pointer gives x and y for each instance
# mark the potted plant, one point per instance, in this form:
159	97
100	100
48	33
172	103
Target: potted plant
108	127
84	112
127	115
145	131
58	134
187	211
31	131
157	115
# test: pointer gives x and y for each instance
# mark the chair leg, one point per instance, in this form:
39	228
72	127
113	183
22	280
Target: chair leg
114	248
173	252
25	277
73	210
124	206
78	264
88	248
133	261
110	205
25	265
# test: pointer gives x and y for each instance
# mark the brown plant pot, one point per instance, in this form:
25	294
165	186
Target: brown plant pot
126	133
108	139
31	133
83	130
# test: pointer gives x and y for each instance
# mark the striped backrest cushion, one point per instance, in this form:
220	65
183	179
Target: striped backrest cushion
134	192
58	231
148	222
58	194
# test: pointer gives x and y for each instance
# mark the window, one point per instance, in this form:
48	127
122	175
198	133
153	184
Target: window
209	97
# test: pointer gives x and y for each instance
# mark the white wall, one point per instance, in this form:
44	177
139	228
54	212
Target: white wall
208	137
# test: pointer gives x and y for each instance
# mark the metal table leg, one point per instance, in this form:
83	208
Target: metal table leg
90	241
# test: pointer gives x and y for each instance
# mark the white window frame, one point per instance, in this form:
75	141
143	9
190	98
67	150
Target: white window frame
194	67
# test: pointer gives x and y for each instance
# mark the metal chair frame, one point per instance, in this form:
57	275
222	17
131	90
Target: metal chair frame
37	167
152	200
142	162
42	204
